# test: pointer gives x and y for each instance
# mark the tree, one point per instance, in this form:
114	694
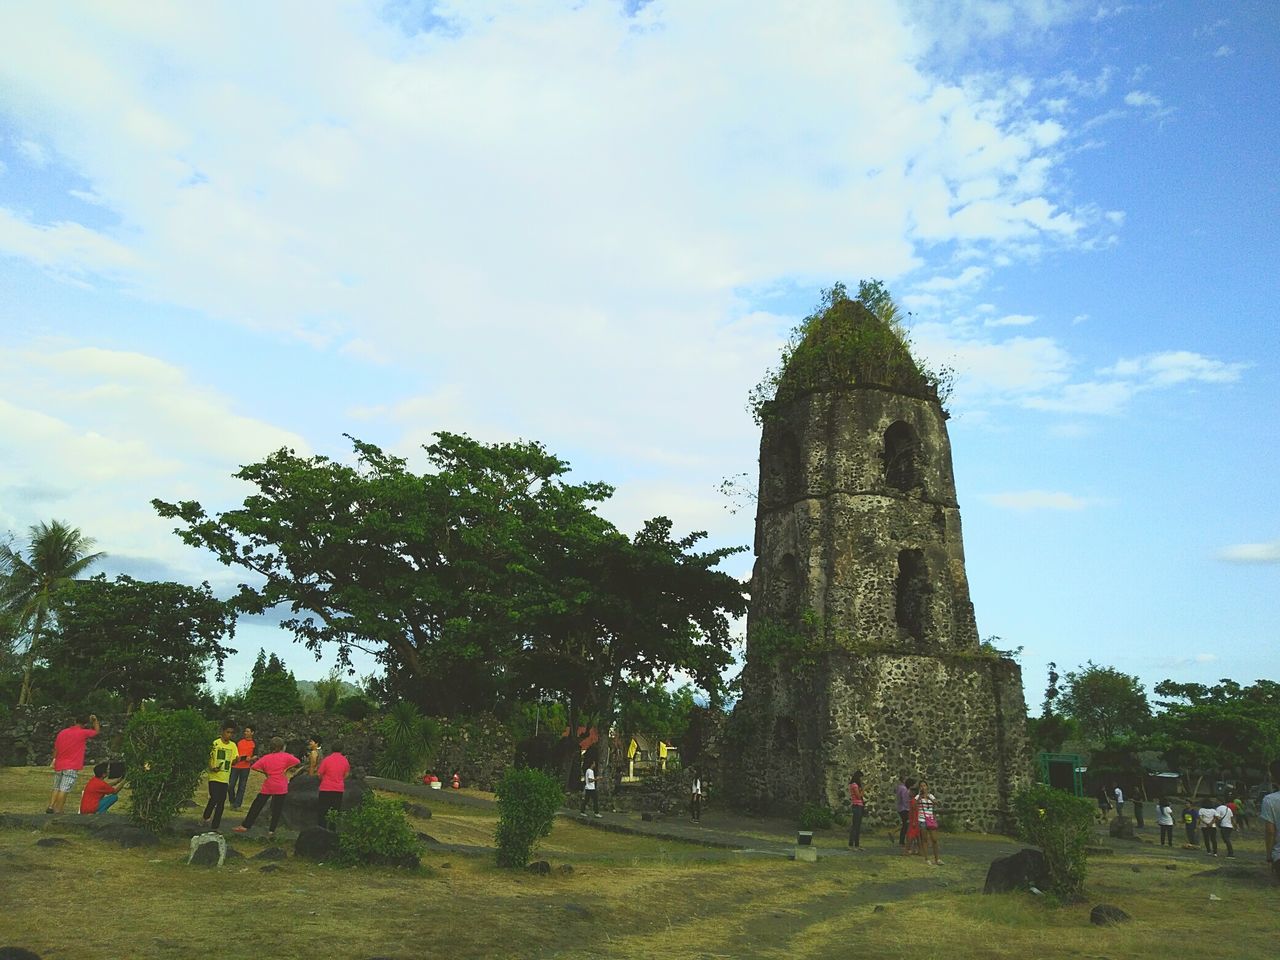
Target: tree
1105	702
1219	728
140	639
274	690
56	555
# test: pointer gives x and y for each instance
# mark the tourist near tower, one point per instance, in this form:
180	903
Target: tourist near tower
862	647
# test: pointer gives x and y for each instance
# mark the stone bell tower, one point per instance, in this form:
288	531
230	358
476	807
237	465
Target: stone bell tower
862	648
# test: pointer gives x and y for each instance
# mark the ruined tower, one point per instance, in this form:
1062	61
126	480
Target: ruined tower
862	648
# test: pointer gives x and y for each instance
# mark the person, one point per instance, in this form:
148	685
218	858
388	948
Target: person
1137	812
1119	794
1104	804
429	778
222	755
68	758
1164	818
904	806
275	765
1269	814
695	797
1238	814
913	827
589	792
100	792
1226	826
455	781
926	802
1189	818
240	769
313	755
333	771
859	805
1208	817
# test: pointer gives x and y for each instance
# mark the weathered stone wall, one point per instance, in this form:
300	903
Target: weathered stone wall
479	749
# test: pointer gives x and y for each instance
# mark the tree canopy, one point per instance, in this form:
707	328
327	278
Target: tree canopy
1105	702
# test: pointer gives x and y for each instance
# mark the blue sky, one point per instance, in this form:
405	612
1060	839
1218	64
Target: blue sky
225	228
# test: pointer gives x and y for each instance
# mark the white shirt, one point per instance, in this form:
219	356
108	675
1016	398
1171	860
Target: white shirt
1225	819
1164	816
1119	796
589	781
697	787
1208	816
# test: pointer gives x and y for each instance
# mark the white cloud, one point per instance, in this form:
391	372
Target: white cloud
1027	500
64	247
1079	318
1268	552
968	277
33	153
1140	98
1174	367
1011	320
1223	51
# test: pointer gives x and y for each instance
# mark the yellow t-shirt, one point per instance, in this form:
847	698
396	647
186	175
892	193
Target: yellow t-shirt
222	755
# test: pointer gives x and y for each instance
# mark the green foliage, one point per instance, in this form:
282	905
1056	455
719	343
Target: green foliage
816	816
376	831
1060	824
777	642
527	803
273	689
848	341
354	707
407	739
166	753
1222	727
1105	702
139	639
1049	732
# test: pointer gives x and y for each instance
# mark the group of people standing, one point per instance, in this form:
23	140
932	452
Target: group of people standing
1208	819
917	815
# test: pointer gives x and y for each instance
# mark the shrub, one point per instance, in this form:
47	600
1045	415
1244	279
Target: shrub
816	816
407	738
355	707
527	803
166	753
376	831
1060	824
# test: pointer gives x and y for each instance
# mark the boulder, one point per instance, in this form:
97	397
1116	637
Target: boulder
269	868
52	842
315	843
565	869
270	853
207	850
1121	828
125	834
1104	914
17	953
428	839
302	805
540	867
416	810
234	854
1020	871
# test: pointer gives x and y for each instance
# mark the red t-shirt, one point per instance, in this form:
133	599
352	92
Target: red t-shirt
244	749
68	747
333	772
94	791
274	765
855	795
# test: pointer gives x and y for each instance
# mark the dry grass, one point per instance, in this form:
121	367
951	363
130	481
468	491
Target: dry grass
626	897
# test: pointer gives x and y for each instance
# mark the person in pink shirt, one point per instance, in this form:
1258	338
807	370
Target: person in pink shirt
333	770
68	758
275	765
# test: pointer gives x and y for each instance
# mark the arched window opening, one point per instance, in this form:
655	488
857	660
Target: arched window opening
781	465
784	594
901	456
912	593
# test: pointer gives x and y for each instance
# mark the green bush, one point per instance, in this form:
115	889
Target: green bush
355	707
407	737
816	816
376	831
166	753
1060	824
527	803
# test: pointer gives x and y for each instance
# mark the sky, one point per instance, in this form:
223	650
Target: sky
229	228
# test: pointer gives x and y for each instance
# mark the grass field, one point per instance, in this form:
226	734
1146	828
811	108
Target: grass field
627	896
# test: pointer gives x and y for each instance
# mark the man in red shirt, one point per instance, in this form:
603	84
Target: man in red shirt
68	758
99	793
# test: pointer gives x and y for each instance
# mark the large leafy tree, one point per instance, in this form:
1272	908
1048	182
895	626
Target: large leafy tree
56	555
144	640
1219	728
1106	703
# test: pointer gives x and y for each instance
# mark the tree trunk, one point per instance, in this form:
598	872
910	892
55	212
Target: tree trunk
573	756
24	695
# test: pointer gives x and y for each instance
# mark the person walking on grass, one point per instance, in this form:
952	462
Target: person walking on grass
1208	817
589	794
222	755
927	812
695	797
1164	818
333	771
240	769
275	766
1104	804
1119	795
1269	814
1190	816
68	758
859	805
1226	827
903	797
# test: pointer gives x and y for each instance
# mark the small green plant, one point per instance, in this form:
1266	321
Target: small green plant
407	739
1060	824
376	832
527	803
816	816
166	753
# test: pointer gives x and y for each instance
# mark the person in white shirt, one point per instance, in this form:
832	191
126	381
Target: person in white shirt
1208	817
1164	819
695	797
1226	824
589	792
1119	801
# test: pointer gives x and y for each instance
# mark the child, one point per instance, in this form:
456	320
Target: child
1189	822
275	765
222	754
100	793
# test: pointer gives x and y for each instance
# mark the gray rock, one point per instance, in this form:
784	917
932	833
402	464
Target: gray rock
418	810
52	842
234	854
302	805
540	867
17	953
1121	828
207	850
429	840
125	834
878	908
1104	914
565	869
1020	871
270	853
269	868
315	843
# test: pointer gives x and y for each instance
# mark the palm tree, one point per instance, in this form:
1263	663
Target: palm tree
56	555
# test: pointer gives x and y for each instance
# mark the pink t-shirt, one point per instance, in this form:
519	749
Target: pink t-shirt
274	765
333	772
68	748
